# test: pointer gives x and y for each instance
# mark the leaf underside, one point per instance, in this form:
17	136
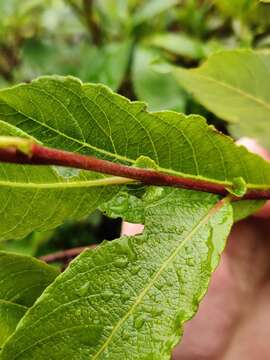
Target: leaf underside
88	118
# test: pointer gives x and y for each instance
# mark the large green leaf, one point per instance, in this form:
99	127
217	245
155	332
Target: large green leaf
235	85
129	298
87	118
62	112
22	280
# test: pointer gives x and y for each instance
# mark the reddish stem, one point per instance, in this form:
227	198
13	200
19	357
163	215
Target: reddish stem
65	255
41	155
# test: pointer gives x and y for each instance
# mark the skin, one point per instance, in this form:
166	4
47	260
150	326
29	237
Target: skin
233	321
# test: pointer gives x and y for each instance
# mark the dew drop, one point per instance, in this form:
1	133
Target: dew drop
190	262
135	269
84	289
139	321
107	295
120	205
153	193
126	247
125	295
121	262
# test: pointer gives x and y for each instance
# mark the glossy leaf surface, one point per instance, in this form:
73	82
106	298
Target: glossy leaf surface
130	297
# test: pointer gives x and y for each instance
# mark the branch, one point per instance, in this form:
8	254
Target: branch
65	255
91	22
22	151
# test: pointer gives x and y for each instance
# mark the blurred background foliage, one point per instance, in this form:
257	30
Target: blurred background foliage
118	43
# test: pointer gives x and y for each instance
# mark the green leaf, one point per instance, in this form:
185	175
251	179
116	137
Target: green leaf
130	297
160	91
235	85
108	63
22	279
150	9
10	315
90	119
236	8
180	44
126	206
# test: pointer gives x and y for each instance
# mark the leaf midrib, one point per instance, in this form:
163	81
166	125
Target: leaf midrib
8	302
114	180
74	184
170	259
132	161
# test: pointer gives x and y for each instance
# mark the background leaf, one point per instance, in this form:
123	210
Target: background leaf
180	44
151	9
234	86
160	91
22	280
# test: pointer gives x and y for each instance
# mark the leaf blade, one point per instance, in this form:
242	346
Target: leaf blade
118	321
10	315
242	100
22	279
101	123
90	119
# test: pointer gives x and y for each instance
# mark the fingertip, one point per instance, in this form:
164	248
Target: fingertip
131	229
253	146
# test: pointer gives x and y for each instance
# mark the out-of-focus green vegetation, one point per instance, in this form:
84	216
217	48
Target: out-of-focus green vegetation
119	43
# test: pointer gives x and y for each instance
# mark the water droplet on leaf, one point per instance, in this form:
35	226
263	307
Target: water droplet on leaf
190	262
125	295
107	295
82	291
121	262
135	269
140	321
